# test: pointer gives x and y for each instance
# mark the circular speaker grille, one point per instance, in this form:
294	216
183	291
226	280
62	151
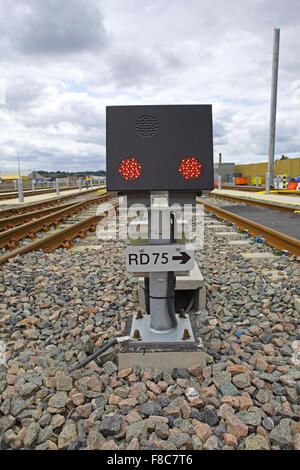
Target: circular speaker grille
146	126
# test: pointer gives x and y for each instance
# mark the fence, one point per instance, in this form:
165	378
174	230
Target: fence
291	167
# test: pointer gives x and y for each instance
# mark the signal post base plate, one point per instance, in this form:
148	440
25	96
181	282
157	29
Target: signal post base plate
163	355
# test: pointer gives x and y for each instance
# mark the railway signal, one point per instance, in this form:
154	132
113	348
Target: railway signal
161	152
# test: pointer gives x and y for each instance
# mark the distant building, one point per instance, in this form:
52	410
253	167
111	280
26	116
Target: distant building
26	175
226	170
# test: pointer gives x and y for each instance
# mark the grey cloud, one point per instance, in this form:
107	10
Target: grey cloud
50	27
130	68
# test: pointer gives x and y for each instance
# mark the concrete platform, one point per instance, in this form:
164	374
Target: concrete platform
283	200
259	257
239	242
191	282
44	197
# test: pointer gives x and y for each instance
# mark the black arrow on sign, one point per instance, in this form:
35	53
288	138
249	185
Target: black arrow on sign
183	258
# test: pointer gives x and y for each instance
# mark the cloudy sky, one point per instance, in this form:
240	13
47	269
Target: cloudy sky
63	62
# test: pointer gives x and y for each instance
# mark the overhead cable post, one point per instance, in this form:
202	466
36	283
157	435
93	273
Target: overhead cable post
272	130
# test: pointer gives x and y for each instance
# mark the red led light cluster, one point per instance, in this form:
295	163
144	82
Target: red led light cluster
130	169
189	168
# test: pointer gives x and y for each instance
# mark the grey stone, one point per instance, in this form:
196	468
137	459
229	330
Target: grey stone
268	423
180	439
221	377
256	442
5	407
263	396
111	425
213	443
64	383
196	443
180	373
67	436
6	422
26	389
31	434
162	430
228	389
286	351
267	336
294	373
59	400
151	408
278	389
44	434
207	416
136	430
281	435
17	405
242	380
109	367
250	417
45	420
163	401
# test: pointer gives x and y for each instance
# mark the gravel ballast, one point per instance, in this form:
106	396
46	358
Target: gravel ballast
55	309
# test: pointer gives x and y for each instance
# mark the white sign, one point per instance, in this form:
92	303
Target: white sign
152	258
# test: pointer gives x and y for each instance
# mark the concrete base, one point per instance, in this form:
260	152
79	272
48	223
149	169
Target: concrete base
165	361
191	282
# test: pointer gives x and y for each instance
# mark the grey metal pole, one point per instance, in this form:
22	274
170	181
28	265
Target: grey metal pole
79	184
57	186
256	181
273	103
161	318
219	181
33	185
268	176
20	190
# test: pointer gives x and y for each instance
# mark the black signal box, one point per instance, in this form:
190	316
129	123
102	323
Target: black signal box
159	148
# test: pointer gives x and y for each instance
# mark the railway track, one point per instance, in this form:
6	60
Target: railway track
10	212
10	238
272	237
61	237
36	192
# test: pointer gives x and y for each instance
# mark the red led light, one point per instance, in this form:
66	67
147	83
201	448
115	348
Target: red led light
189	168
130	169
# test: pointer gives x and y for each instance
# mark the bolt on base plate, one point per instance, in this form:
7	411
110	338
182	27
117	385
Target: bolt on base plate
175	335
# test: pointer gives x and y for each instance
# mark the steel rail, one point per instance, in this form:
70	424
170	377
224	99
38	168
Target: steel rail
10	222
255	202
272	237
11	237
60	238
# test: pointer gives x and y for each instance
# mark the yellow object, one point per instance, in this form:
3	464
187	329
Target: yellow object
101	191
291	167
